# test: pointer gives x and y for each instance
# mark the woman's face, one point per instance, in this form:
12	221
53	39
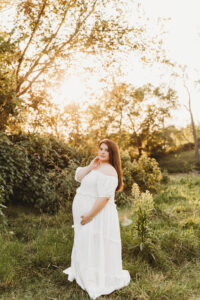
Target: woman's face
103	153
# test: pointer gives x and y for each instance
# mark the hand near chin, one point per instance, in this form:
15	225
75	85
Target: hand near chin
95	163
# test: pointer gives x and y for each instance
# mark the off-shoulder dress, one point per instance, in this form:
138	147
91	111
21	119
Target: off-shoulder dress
96	258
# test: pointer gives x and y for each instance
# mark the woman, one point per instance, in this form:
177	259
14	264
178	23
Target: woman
96	259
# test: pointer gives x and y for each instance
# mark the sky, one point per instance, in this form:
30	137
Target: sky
182	43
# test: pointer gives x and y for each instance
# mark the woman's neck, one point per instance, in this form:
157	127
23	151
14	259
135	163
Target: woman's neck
104	163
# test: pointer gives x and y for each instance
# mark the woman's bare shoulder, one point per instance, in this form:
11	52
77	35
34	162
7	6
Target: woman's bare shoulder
109	170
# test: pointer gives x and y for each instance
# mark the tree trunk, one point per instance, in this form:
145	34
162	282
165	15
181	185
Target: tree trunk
193	129
195	137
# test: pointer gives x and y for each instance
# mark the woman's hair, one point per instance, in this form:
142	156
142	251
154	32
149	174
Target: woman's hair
114	160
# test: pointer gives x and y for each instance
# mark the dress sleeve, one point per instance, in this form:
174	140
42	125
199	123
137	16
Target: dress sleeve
76	173
106	186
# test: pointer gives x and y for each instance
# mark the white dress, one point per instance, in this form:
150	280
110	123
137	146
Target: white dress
96	258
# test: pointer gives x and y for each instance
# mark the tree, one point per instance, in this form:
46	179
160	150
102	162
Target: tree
5	4
53	31
73	123
48	34
194	132
8	99
115	104
147	112
182	73
133	116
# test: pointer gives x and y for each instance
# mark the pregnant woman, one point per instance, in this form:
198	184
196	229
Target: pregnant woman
96	258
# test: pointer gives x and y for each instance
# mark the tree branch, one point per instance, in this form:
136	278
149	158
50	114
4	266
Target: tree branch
73	35
188	92
45	48
30	40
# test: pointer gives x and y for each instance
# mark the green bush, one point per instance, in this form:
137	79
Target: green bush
122	199
38	171
165	177
144	171
14	165
2	200
3	220
126	168
147	174
181	162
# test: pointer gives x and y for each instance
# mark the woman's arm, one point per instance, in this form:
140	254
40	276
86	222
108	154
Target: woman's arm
99	204
85	170
82	172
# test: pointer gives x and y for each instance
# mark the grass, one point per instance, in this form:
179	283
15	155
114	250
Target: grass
179	162
35	248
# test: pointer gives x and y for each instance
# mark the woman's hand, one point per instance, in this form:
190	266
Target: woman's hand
94	163
86	218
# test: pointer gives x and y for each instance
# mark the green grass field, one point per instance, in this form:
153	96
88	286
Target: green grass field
35	248
179	162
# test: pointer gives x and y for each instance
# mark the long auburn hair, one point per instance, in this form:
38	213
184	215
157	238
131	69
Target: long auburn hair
114	160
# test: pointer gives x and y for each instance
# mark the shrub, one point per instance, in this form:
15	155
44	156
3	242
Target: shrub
122	199
182	162
38	171
3	220
127	171
165	177
146	173
14	165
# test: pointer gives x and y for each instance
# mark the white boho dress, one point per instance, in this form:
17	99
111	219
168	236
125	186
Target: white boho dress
96	258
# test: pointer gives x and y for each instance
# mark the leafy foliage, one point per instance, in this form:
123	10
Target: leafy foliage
8	99
144	242
3	219
146	173
135	117
143	205
38	170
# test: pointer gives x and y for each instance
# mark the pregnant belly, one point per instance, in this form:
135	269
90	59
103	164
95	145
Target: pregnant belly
82	204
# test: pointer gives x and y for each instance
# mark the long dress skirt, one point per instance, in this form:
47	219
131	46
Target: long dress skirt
96	259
